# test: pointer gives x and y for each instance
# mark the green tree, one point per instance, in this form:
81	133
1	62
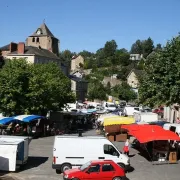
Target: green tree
108	88
86	54
100	57
122	57
137	47
122	74
96	90
124	92
144	47
110	48
158	47
148	46
161	84
2	62
27	88
66	55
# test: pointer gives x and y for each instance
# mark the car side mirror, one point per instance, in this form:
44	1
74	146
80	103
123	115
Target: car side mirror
87	172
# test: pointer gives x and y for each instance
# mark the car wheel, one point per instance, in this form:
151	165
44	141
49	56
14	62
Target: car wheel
58	171
65	167
75	179
121	165
117	178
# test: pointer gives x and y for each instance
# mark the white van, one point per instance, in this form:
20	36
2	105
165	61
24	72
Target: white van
73	151
129	111
145	117
110	106
172	127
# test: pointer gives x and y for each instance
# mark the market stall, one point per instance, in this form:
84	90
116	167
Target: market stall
160	144
113	125
19	125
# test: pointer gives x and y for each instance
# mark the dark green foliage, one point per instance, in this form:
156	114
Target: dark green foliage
2	62
158	47
32	89
161	83
144	47
124	92
96	90
108	88
110	48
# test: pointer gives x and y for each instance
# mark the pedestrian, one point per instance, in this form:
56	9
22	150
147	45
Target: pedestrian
126	147
178	120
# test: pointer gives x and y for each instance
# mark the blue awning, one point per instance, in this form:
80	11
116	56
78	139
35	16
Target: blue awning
27	118
6	120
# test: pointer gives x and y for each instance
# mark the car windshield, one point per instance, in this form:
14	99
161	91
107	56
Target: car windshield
112	105
85	166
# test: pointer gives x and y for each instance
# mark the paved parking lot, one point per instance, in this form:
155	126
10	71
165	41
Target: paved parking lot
40	161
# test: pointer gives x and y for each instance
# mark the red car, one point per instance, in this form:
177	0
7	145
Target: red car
96	170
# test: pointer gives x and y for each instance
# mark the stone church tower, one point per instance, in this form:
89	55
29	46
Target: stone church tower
44	39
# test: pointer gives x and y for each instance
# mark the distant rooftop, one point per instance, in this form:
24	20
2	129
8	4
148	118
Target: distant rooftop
36	51
43	30
5	48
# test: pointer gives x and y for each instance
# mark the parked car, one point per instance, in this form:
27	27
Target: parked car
96	170
159	123
159	110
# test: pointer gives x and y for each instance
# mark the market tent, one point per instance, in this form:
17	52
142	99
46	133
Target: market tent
6	120
138	127
118	120
27	118
147	133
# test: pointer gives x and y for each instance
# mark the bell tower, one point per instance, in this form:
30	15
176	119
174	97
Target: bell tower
44	39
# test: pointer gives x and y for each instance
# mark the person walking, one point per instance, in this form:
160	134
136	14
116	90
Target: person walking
126	147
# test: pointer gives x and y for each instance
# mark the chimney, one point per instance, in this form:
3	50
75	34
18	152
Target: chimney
21	48
13	47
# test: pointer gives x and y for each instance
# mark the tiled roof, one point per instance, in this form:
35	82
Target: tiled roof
44	31
5	48
138	72
74	78
30	50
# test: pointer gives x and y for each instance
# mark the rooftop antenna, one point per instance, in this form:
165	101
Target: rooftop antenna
44	21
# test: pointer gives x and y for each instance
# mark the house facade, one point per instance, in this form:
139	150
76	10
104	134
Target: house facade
80	87
132	78
136	57
35	55
76	63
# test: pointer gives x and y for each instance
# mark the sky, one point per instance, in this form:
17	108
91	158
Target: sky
89	24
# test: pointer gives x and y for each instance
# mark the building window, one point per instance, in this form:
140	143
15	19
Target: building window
37	40
33	39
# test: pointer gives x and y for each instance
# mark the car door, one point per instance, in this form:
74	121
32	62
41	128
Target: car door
108	172
93	172
111	153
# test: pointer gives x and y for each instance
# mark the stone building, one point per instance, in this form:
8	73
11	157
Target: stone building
43	38
35	55
112	80
76	63
40	47
132	78
80	87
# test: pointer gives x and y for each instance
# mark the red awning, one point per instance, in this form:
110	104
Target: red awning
146	133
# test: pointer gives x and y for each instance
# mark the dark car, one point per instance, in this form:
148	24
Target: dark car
159	123
96	170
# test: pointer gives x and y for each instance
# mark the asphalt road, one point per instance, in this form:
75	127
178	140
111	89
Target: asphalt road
40	161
